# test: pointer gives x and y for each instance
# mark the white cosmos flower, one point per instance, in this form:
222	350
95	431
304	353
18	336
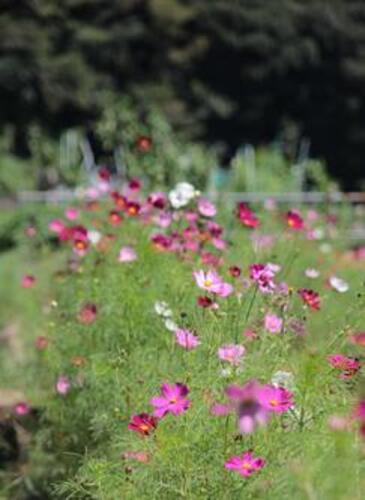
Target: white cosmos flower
283	379
182	194
171	325
162	309
94	236
338	284
312	273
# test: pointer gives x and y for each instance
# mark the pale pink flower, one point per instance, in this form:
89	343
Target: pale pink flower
212	282
231	353
186	339
273	323
312	273
127	254
63	385
22	408
28	280
206	208
72	213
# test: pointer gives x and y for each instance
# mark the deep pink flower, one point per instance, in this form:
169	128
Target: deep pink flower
212	282
231	353
63	385
348	366
263	275
359	415
71	213
172	400
157	200
294	220
275	399
273	323
127	254
206	208
186	339
246	216
235	271
87	313
245	464
311	298
28	280
207	302
143	423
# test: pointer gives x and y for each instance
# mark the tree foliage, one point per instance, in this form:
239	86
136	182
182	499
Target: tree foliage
231	72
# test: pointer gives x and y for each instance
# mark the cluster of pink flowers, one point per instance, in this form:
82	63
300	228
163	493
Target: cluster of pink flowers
263	275
348	367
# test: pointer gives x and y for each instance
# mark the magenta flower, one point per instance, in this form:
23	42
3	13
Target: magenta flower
143	423
71	213
172	400
263	275
28	280
231	353
245	464
244	402
273	324
63	385
22	408
275	399
212	282
186	339
347	366
127	254
206	208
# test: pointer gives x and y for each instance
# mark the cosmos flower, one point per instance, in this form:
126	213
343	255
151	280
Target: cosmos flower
275	399
206	302
273	323
186	339
127	254
246	216
294	220
235	271
87	313
348	366
28	280
358	339
212	282
22	408
63	385
206	208
162	309
72	213
359	415
245	464
144	143
181	195
243	400
143	423
338	284
263	275
172	400
312	273
283	379
231	353
311	298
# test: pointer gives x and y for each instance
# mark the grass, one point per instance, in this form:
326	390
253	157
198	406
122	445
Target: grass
117	363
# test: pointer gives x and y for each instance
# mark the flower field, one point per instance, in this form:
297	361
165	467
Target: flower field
185	349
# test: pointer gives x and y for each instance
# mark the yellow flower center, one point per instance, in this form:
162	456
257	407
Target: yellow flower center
274	402
246	465
208	283
144	427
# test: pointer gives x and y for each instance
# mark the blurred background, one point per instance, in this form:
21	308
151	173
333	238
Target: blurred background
235	93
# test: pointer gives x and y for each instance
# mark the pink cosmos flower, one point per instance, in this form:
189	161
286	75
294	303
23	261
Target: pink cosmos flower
72	213
186	339
245	464
275	399
143	423
163	219
359	415
212	282
28	280
22	408
63	385
348	366
157	200
263	275
231	353
243	400
56	226
246	216
294	220
358	339
311	298
172	400
127	254
273	323
207	303
206	208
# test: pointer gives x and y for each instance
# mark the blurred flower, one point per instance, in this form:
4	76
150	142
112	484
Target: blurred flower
28	280
143	423
171	325
172	400
231	353
72	213
162	309
206	302
310	297
127	254
358	338
347	366
246	216
181	195
283	379
245	464
186	339
273	323
87	313
294	220
263	275
312	273
206	208
338	284
275	399
63	385
22	408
